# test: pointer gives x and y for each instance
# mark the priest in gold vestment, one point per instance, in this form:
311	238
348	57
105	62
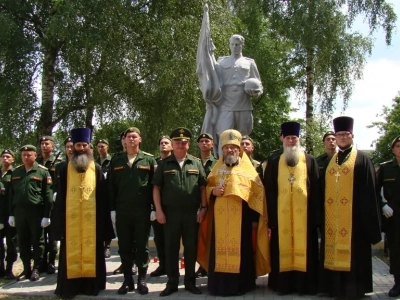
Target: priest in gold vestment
82	221
292	189
233	240
350	218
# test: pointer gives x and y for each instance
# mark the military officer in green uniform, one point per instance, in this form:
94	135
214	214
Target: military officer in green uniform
205	142
49	160
7	159
30	204
180	200
388	178
329	141
130	190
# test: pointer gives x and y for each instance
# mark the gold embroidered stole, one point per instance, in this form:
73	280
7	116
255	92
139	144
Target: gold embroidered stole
292	215
242	183
338	212
81	222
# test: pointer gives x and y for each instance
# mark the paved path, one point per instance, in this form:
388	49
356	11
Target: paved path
383	281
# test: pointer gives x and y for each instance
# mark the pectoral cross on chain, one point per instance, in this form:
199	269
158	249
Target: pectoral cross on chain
291	180
337	175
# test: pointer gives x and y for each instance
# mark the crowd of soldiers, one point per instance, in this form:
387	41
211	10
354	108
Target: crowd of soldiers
169	194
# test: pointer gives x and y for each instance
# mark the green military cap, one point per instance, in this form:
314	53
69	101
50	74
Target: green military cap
132	129
246	137
67	140
8	151
104	141
28	148
204	136
181	133
397	139
46	138
327	134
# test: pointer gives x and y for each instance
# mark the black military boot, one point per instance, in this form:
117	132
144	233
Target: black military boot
2	272
27	272
8	273
395	290
128	285
142	285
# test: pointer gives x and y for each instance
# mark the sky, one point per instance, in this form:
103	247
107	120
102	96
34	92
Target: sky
378	87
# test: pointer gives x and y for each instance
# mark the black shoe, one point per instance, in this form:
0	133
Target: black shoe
23	275
126	287
107	253
168	291
394	291
192	288
142	286
200	273
35	275
9	275
118	270
51	269
158	272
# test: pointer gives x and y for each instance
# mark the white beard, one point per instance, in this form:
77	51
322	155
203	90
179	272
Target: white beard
292	154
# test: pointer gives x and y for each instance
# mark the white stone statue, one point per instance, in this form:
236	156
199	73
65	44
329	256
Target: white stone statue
227	85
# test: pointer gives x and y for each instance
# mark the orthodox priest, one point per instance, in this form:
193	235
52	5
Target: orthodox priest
350	219
82	221
292	189
233	243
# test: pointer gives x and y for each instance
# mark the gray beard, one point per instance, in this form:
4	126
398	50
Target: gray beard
81	161
292	155
231	159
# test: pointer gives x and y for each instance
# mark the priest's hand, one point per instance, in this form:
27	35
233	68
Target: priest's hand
387	211
161	217
11	221
218	191
45	222
113	216
1	226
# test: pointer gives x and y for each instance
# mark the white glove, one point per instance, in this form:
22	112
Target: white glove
153	215
387	211
1	226
11	221
45	222
113	216
54	197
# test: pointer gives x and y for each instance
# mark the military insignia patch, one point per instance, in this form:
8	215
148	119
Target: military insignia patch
49	180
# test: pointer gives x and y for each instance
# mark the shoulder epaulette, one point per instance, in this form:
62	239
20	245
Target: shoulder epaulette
248	58
42	167
386	162
193	157
19	166
222	57
146	153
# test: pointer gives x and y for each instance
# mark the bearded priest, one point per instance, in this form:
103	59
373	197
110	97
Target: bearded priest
292	189
351	219
82	221
233	239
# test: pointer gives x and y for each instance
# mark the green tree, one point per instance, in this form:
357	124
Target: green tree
326	57
388	129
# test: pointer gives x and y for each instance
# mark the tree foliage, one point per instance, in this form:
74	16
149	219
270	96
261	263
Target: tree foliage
389	129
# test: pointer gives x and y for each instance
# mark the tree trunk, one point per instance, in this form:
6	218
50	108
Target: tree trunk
45	126
309	101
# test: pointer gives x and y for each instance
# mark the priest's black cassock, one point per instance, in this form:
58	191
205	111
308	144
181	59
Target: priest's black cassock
104	231
365	231
294	281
